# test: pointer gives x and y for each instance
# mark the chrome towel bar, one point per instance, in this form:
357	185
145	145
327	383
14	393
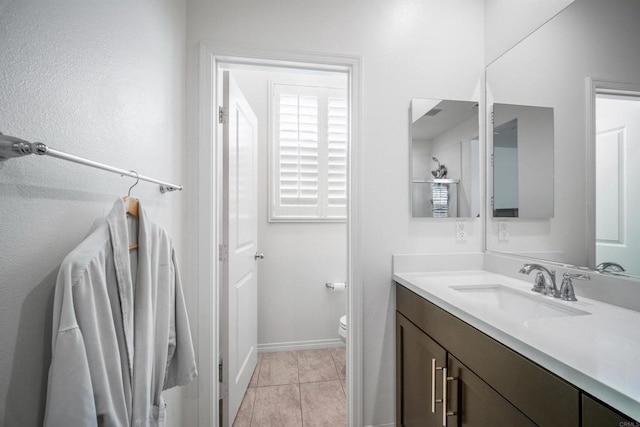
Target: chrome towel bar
11	146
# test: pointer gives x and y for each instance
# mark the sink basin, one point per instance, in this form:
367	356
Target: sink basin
517	304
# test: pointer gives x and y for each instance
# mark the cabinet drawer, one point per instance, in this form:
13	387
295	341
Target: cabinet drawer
540	395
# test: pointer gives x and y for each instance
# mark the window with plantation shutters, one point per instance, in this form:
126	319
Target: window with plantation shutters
309	146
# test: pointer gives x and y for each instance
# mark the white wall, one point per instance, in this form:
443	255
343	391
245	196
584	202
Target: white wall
588	38
294	306
103	80
506	22
404	56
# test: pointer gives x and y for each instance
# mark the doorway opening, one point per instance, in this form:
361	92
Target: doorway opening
296	248
617	188
613	130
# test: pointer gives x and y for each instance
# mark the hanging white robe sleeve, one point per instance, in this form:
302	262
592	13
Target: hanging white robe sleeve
70	399
181	364
70	395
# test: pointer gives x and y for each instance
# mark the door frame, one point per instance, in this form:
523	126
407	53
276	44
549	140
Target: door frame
209	184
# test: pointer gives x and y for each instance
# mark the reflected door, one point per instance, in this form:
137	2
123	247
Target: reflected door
618	180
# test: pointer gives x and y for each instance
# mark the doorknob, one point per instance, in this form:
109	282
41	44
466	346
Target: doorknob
259	256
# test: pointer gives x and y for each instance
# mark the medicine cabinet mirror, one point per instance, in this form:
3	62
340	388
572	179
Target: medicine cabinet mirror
522	161
583	66
444	158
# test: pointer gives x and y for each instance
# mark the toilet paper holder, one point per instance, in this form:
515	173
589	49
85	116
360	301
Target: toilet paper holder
337	286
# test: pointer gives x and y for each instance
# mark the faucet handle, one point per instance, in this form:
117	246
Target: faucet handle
539	283
609	266
566	289
578	276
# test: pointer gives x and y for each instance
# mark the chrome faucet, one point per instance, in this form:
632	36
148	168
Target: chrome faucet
610	267
566	289
544	285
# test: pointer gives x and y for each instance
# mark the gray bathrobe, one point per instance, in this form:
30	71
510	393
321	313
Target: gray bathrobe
120	328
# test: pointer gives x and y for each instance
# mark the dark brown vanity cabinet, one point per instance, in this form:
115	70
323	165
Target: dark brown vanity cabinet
487	383
473	403
432	382
596	414
418	357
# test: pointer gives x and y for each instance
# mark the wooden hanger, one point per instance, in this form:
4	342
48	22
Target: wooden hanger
131	206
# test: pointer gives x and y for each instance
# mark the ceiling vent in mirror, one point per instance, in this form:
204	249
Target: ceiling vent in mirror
433	112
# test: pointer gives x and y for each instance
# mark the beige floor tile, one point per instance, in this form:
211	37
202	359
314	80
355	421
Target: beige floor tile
278	369
243	418
256	374
277	406
323	404
340	359
344	386
316	365
275	355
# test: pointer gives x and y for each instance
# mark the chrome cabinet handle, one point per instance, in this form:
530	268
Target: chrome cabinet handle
433	386
259	256
445	378
445	392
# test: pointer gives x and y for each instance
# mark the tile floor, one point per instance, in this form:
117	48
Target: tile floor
305	388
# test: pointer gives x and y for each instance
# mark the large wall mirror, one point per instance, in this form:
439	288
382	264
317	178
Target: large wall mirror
444	158
584	67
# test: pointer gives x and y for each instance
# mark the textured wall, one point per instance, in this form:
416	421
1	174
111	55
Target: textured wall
409	49
103	80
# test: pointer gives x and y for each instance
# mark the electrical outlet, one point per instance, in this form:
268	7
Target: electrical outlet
461	231
503	231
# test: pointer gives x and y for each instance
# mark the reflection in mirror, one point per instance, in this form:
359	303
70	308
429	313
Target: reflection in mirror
617	144
522	161
445	177
585	45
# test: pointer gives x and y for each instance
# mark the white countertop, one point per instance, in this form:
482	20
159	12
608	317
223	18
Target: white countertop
598	353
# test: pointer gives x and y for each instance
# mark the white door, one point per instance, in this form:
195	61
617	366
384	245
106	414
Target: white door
618	180
239	323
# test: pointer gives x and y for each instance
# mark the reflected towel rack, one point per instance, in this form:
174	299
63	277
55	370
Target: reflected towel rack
436	181
11	146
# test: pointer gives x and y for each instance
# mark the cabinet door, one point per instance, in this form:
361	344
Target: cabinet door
414	398
596	414
476	404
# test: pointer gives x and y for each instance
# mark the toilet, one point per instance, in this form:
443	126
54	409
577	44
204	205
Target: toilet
342	328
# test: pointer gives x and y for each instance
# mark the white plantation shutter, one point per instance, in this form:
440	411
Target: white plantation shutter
308	172
298	150
337	152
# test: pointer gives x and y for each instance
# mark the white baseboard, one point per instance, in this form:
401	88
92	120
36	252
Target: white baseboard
383	425
300	345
